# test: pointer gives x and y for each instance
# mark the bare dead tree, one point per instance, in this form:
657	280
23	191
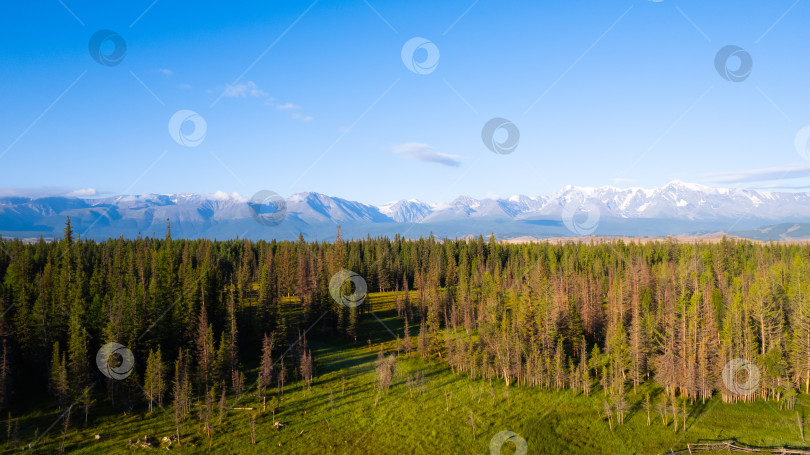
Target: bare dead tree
472	422
621	408
608	413
206	410
282	376
253	428
307	368
65	426
386	367
181	392
647	407
222	405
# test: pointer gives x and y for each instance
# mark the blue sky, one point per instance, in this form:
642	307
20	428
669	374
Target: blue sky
302	96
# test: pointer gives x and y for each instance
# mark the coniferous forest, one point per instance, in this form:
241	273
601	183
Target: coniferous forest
208	319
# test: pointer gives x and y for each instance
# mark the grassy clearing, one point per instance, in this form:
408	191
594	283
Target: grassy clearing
356	421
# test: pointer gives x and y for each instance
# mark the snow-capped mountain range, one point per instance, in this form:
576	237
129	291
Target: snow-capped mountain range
674	201
674	209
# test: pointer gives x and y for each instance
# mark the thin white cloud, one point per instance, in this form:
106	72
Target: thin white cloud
424	152
48	192
83	192
185	86
166	72
251	89
776	186
244	90
791	171
287	106
302	117
220	195
29	192
290	107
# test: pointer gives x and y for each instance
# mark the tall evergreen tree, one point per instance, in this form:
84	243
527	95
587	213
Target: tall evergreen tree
154	379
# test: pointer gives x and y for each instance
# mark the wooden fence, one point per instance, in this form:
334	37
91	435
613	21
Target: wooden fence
734	446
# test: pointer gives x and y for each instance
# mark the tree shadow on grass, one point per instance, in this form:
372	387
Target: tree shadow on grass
637	406
696	411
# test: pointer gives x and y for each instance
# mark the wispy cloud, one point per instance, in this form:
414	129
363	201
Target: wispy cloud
244	90
776	186
791	171
185	86
225	196
83	192
302	117
424	152
250	89
166	72
287	106
48	192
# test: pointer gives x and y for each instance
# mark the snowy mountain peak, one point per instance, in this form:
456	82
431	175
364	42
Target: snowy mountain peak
409	211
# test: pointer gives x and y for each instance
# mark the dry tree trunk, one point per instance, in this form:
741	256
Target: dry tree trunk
253	428
65	429
472	422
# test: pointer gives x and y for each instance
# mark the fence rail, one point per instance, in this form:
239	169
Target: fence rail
734	446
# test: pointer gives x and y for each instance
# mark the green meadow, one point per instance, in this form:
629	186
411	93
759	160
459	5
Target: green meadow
435	412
